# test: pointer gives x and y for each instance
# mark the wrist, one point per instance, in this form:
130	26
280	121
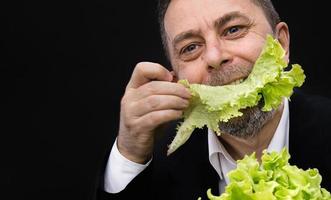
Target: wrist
140	154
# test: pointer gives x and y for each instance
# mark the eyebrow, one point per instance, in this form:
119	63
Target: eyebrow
221	21
184	35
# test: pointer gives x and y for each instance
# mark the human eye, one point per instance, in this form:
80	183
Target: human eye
235	31
189	49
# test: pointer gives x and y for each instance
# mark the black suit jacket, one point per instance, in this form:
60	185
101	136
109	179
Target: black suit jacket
187	173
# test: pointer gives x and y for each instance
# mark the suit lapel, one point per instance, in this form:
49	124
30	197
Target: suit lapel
193	173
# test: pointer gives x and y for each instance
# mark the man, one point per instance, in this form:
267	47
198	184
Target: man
214	42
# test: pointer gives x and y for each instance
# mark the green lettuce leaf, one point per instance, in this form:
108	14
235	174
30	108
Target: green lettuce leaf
274	179
211	105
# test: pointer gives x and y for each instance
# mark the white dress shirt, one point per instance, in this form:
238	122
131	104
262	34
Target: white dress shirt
223	163
121	171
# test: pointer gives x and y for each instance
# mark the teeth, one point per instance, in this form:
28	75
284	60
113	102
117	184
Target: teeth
236	82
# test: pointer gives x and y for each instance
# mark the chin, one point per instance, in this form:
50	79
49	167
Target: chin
249	124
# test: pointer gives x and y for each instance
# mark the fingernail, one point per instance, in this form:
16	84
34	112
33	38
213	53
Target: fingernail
188	93
171	77
187	103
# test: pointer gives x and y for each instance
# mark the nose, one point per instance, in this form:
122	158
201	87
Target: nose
216	55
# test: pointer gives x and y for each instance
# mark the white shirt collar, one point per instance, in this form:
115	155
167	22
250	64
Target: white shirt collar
281	136
221	160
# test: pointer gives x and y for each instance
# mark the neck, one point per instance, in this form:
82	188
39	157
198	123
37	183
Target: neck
239	147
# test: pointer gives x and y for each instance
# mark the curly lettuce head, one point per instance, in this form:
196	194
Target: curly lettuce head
211	105
274	179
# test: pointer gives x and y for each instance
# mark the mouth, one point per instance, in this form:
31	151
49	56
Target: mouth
236	81
222	78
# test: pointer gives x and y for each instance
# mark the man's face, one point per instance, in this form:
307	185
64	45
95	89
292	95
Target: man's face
217	42
214	42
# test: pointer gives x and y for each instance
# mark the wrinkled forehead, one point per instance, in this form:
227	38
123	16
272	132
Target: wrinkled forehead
183	15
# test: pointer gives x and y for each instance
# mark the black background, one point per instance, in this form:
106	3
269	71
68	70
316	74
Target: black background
64	67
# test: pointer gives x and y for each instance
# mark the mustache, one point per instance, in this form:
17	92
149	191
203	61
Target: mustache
225	75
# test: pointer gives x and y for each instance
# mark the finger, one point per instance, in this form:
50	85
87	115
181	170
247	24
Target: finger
159	102
156	118
146	71
163	88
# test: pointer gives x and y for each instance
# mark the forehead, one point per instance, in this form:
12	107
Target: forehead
183	15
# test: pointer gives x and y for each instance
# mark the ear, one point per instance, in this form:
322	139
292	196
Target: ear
283	36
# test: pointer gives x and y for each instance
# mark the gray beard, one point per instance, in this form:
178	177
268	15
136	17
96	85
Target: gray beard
249	124
253	118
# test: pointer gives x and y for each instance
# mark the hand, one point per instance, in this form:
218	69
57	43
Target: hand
150	100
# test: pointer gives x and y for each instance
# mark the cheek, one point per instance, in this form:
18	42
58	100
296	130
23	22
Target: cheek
193	74
250	50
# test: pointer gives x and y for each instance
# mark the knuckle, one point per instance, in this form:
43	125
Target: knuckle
124	101
173	89
139	69
179	113
158	66
170	114
184	103
150	122
143	65
177	102
150	89
154	121
177	89
153	102
175	114
140	65
126	111
130	124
